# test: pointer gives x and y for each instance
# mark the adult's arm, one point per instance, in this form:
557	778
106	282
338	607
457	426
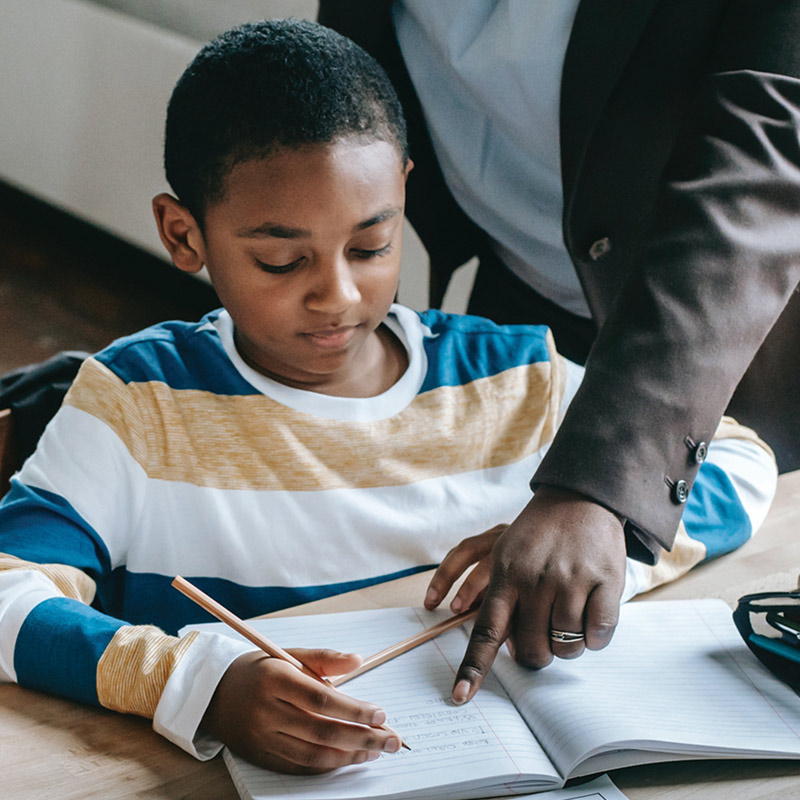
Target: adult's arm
718	264
714	270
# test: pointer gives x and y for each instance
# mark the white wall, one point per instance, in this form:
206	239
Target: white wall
83	95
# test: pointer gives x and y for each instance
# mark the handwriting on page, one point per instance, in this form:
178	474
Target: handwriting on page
449	743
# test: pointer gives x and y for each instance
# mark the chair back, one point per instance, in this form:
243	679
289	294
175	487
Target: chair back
8	460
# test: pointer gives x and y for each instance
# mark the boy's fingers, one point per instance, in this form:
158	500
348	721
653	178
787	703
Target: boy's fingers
489	632
333	733
327	662
308	694
298	757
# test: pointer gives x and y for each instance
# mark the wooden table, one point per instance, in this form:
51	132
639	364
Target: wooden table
55	749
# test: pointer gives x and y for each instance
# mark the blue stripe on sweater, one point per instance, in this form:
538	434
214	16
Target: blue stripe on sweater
183	355
152	600
40	526
58	647
714	514
468	348
187	355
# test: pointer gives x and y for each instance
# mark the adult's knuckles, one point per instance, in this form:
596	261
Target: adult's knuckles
485	635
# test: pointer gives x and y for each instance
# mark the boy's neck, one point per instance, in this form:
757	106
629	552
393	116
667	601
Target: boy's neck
379	366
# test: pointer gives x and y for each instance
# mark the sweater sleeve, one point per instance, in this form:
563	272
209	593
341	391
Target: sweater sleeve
51	640
64	530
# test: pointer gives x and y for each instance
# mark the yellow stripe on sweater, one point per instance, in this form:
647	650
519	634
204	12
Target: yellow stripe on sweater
252	442
70	581
729	428
135	667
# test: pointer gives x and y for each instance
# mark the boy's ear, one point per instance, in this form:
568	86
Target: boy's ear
179	232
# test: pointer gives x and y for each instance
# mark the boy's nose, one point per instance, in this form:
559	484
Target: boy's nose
334	289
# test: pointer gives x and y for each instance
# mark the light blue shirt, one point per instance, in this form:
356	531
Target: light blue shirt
488	75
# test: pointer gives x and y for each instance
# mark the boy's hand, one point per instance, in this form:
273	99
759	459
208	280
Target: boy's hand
475	550
270	713
560	565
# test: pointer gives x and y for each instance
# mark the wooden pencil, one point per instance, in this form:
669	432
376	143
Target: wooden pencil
388	653
251	634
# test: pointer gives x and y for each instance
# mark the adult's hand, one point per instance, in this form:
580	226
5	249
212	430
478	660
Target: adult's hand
560	565
475	552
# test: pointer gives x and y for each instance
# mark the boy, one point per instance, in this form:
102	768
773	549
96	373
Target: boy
308	438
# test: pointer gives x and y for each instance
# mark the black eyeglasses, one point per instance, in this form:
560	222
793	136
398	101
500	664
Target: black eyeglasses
769	622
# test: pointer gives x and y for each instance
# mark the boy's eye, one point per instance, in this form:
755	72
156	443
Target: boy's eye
367	254
278	269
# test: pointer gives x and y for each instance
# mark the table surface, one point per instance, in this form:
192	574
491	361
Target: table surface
53	748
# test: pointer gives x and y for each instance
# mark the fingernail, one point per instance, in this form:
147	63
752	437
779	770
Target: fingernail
456	605
378	717
431	597
461	691
392	745
601	632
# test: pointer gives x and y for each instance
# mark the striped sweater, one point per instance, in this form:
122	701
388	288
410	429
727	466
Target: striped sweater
171	456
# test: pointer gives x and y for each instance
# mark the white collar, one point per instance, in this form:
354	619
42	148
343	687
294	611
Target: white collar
402	321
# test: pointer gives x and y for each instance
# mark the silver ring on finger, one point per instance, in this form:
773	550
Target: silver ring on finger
566	636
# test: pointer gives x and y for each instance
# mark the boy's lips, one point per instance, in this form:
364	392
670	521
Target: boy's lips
332	337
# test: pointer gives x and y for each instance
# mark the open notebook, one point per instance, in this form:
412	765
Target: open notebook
677	682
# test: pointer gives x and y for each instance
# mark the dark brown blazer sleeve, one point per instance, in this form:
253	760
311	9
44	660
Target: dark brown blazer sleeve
718	262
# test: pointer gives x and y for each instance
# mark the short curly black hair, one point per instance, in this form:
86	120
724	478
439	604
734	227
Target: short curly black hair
271	84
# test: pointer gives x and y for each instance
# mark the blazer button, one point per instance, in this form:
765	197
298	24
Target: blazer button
700	452
680	491
600	248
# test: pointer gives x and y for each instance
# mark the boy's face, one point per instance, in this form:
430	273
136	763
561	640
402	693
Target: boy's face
304	253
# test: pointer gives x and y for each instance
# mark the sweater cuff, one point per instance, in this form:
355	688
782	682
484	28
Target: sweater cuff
189	690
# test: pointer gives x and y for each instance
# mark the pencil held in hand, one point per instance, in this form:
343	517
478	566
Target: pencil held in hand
252	635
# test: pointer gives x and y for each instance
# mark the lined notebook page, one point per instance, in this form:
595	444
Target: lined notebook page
677	678
482	744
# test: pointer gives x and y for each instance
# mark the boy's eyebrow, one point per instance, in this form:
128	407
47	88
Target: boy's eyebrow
273	229
277	231
387	213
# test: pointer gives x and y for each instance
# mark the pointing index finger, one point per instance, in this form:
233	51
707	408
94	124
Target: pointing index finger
491	629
